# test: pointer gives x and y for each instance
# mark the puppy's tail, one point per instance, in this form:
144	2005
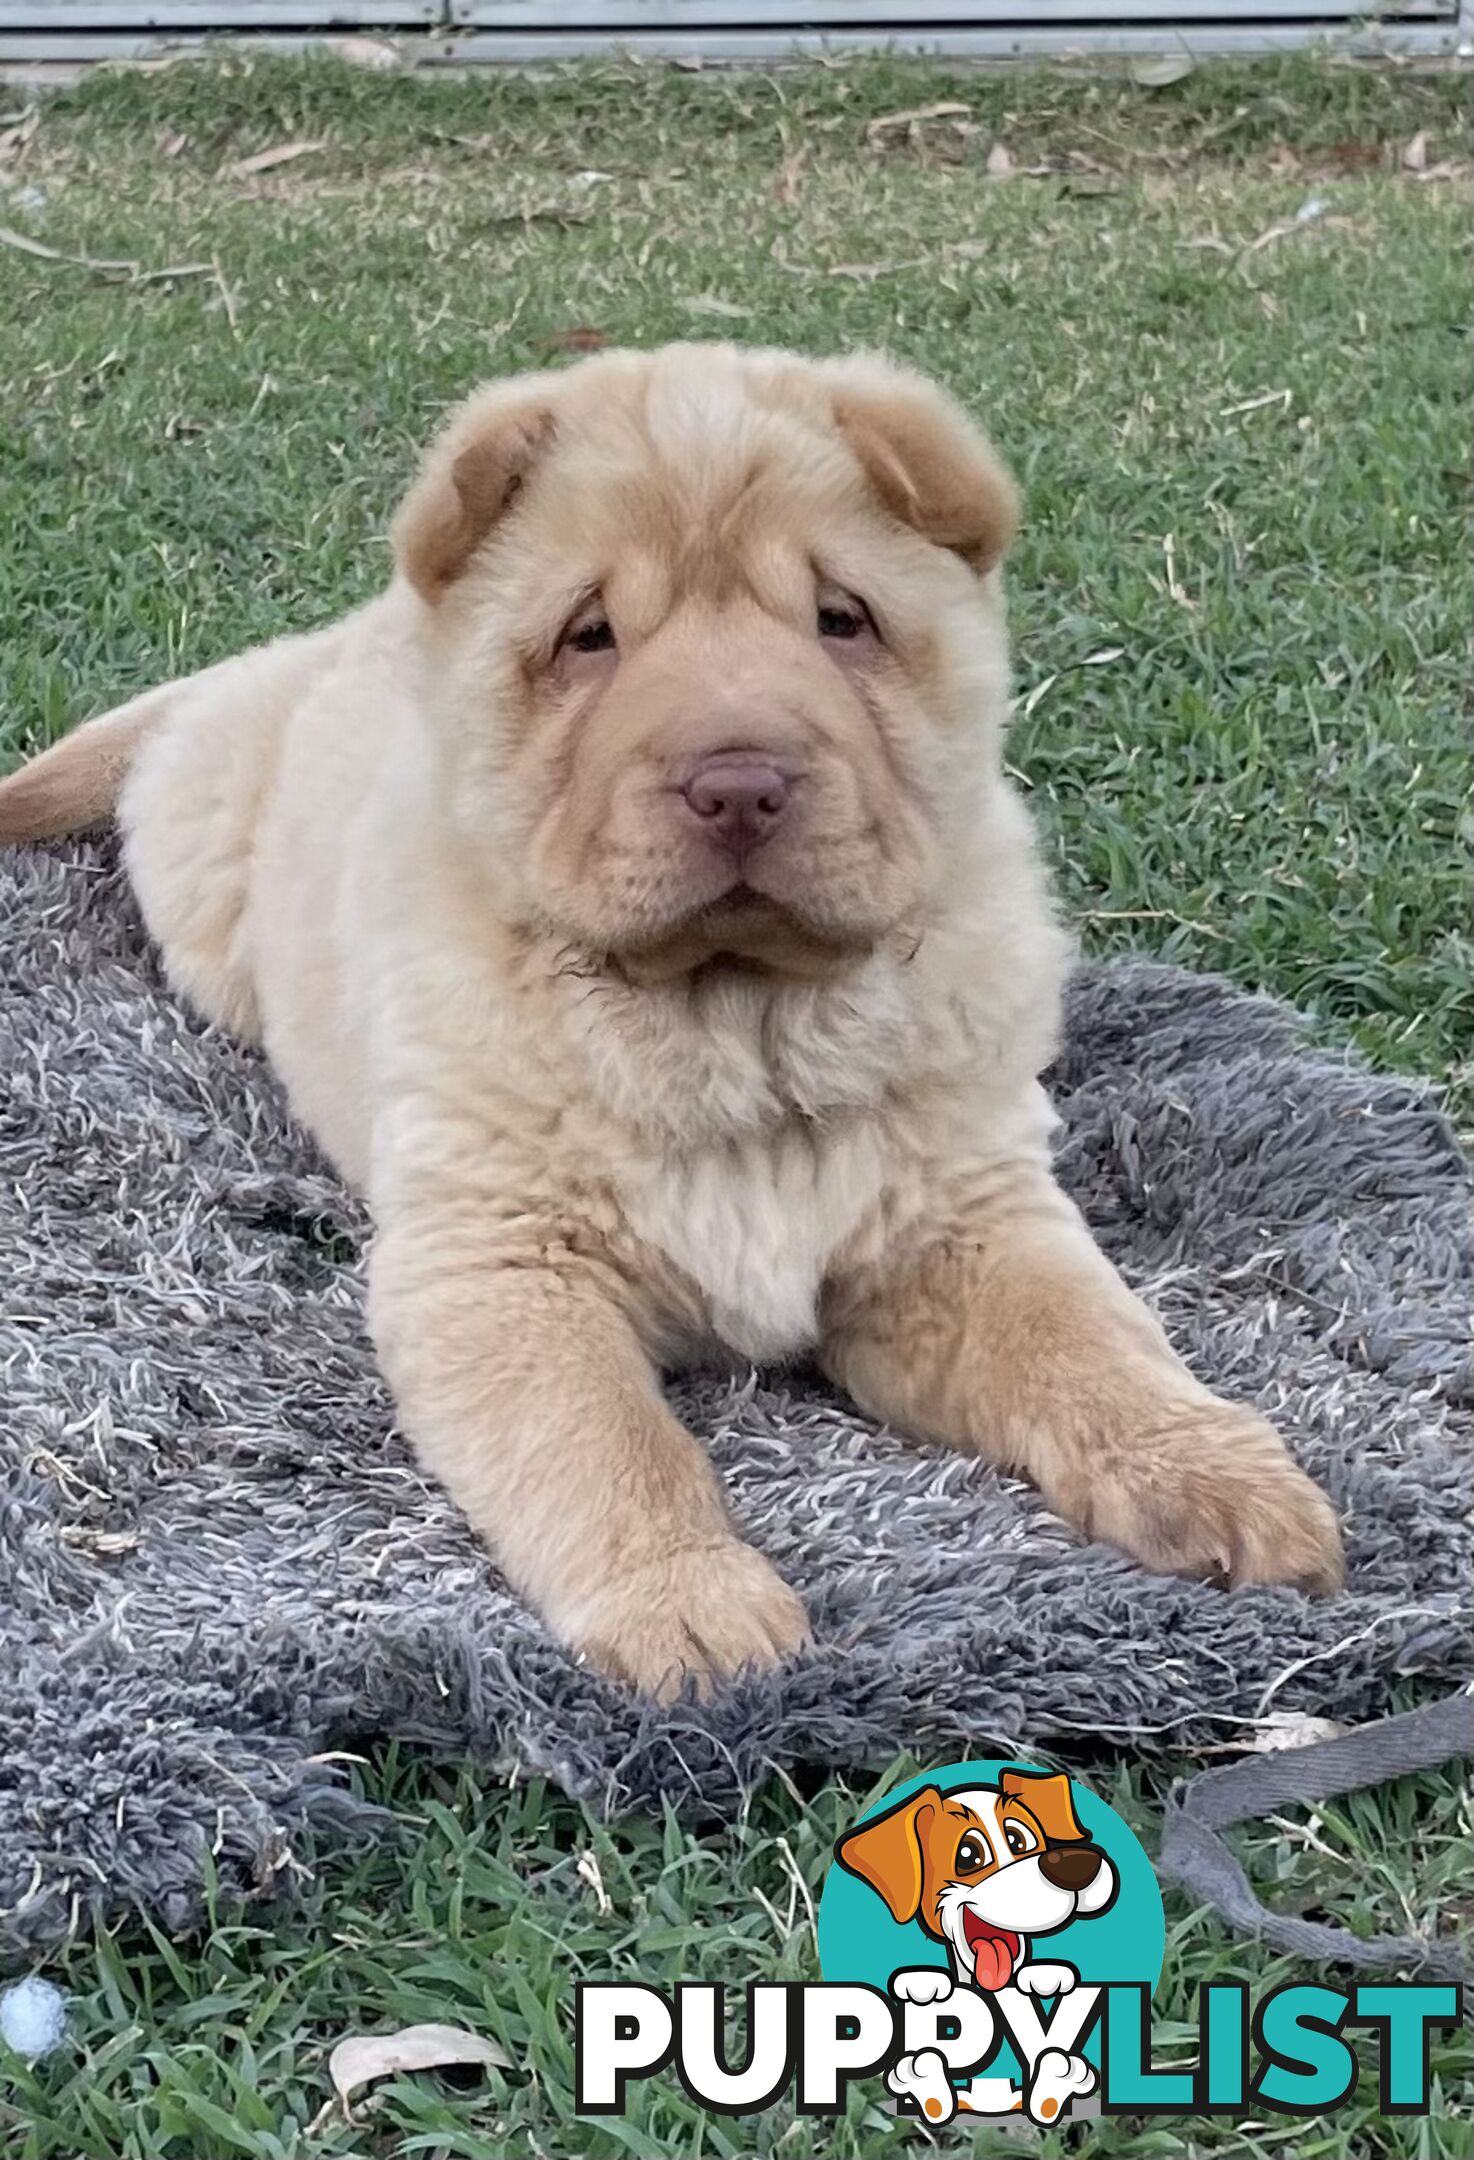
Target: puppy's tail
77	781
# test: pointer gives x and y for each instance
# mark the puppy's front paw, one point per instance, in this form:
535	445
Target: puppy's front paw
1215	1495
698	1614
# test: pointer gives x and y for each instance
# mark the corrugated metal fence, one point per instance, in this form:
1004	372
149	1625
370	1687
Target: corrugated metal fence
725	30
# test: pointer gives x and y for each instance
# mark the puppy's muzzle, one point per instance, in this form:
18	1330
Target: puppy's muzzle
1070	1867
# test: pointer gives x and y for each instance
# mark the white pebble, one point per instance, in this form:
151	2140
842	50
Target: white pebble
33	2017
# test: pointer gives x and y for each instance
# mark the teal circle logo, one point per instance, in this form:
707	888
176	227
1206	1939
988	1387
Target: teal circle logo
993	1901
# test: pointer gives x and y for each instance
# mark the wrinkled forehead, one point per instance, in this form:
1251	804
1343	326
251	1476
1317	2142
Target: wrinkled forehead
687	480
700	414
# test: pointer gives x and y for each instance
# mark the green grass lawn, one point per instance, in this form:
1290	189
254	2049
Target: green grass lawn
1220	330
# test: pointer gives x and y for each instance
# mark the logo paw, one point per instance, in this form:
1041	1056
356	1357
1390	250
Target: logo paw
922	1984
1038	1978
1058	2079
923	2078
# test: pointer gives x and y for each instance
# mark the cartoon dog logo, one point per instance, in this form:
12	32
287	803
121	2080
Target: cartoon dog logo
986	1869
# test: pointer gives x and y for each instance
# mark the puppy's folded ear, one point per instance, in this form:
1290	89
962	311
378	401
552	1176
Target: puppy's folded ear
929	465
469	477
1046	1795
886	1852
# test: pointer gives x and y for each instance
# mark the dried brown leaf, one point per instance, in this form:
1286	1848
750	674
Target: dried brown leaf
545	213
590	1872
1290	1729
362	2057
13	139
1310	213
862	273
785	187
887	128
712	304
579	337
1158	72
1177	591
1353	153
261	161
1257	404
365	52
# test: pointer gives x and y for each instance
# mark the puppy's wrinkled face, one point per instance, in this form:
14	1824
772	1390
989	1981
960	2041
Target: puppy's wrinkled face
715	650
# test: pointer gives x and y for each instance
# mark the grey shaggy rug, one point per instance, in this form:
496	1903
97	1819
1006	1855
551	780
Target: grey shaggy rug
217	1560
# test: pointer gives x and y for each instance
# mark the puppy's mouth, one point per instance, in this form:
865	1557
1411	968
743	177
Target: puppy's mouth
995	1951
745	930
739	899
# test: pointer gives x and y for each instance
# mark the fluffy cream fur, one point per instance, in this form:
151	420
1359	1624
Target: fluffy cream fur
619	1092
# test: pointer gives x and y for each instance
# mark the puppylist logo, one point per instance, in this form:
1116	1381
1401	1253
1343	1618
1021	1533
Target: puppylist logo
990	1938
998	1898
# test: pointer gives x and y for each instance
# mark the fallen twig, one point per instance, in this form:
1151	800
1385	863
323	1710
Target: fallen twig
286	153
131	273
227	297
172	270
28	246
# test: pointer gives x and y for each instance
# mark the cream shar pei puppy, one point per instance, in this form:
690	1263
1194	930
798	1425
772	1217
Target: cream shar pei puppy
633	903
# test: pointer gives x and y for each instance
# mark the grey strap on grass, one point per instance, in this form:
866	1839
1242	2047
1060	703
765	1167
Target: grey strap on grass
1194	1855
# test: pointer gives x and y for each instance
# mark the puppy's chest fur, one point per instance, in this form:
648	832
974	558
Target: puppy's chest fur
756	1225
761	1137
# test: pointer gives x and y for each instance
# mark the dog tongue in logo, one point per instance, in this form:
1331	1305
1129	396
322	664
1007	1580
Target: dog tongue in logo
994	1951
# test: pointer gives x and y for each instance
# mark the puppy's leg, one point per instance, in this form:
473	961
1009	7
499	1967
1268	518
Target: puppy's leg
524	1388
1008	1331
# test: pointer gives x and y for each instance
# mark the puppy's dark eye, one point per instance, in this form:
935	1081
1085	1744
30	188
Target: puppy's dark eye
595	635
842	619
972	1855
1019	1838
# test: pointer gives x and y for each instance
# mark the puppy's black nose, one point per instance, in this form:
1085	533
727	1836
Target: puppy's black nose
1070	1867
740	798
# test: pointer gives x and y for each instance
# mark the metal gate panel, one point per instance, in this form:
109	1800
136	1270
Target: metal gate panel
523	31
1073	40
613	17
58	17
